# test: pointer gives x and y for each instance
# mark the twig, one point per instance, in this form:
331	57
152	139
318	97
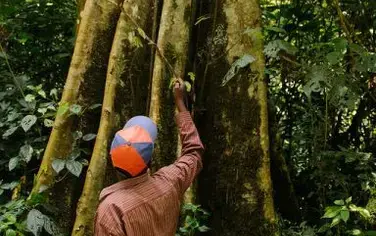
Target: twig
11	72
151	42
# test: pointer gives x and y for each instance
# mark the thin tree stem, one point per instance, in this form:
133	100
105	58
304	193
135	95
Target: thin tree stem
16	82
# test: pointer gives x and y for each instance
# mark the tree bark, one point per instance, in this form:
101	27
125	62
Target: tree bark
173	38
284	192
84	86
236	184
125	96
80	9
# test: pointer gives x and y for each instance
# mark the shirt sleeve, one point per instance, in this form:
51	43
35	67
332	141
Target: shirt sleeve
189	164
105	225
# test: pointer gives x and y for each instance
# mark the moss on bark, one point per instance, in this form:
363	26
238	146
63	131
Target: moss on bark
173	40
125	96
84	86
235	184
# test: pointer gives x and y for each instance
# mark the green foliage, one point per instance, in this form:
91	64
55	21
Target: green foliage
74	163
194	218
240	63
21	217
339	216
319	85
36	38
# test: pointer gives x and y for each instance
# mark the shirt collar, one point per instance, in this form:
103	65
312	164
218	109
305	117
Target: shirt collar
128	183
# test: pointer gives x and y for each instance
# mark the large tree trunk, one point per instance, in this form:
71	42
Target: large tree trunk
172	42
235	184
84	86
125	96
284	193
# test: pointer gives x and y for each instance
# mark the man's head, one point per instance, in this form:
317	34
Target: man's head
132	147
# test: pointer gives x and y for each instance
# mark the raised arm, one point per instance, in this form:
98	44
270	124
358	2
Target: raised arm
188	165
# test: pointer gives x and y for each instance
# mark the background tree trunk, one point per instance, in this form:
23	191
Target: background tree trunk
235	184
84	86
173	41
125	96
284	194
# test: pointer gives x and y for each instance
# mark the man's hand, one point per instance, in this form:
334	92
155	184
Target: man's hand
179	95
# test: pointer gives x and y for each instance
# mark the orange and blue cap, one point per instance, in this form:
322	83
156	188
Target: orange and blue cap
132	147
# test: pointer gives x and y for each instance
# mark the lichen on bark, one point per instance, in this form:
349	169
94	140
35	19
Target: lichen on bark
235	184
173	38
84	86
125	96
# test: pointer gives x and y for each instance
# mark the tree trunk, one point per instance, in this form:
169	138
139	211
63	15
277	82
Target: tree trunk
236	183
80	9
125	96
84	86
284	193
172	42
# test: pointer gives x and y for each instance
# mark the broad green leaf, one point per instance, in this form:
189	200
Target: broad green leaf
29	98
26	152
335	222
50	226
334	57
276	29
348	200
356	232
357	48
332	211
13	116
188	86
9	132
77	135
75	167
364	212
94	106
76	153
28	121
84	162
340	44
42	93
242	62
203	228
42	110
10	232
89	137
48	123
192	76
13	162
58	165
10	186
345	214
273	48
35	222
75	109
53	93
11	218
339	202
183	230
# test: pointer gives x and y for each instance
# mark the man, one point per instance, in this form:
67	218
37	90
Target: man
144	204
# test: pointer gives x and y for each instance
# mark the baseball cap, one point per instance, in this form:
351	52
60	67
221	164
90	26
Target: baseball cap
132	147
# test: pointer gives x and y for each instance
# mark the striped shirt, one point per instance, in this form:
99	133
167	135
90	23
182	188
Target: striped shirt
149	205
